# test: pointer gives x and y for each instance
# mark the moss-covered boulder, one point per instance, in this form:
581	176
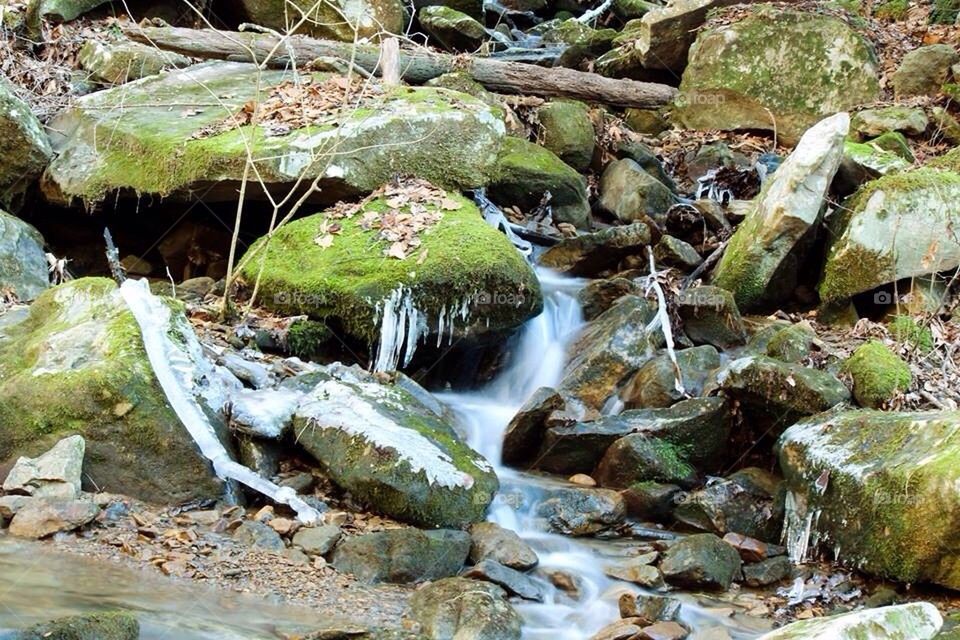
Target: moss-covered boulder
567	130
923	71
630	192
23	146
760	264
865	161
23	265
112	625
526	172
462	608
878	374
655	383
453	29
870	123
913	621
464	279
148	148
638	458
77	365
898	226
120	62
879	490
403	555
776	69
345	20
388	449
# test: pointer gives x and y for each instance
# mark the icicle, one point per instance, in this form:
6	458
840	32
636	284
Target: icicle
495	218
175	371
401	327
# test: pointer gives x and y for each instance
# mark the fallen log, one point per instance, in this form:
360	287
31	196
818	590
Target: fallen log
416	67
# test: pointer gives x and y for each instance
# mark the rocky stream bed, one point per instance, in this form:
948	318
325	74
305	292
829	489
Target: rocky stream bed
479	320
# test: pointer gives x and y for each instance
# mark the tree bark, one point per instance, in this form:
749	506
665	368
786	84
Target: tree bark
416	67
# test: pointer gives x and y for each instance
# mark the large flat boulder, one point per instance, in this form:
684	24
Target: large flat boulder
881	490
130	140
915	620
778	70
76	365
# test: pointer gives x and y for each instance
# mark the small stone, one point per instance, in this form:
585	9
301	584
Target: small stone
637	572
490	541
750	549
566	582
701	560
631	194
283	526
924	70
620	630
9	505
54	475
512	581
769	571
40	518
673	252
259	536
582	480
295	556
710	316
663	631
265	514
317	541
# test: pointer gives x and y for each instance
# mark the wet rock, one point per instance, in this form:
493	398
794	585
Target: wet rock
676	253
923	71
599	295
24	148
264	413
317	541
452	147
638	457
581	512
741	76
699	427
592	253
40	518
637	570
567	131
767	572
461	608
654	384
651	500
710	316
885	486
870	123
864	254
525	172
664	631
53	475
411	464
23	265
121	62
878	374
455	30
258	536
88	374
609	348
112	625
342	20
512	581
403	555
263	456
620	630
917	621
701	561
524	434
760	264
792	343
711	158
749	502
490	541
752	550
780	391
631	194
647	158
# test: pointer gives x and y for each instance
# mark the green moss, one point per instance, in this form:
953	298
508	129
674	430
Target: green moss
878	374
905	330
306	337
892	10
111	625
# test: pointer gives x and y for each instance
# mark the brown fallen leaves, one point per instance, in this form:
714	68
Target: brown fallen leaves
294	105
413	206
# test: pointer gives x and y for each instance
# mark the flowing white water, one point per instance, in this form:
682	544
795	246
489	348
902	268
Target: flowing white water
538	361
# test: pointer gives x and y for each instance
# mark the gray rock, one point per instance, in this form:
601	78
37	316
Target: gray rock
121	62
654	384
317	541
923	71
597	296
651	500
592	253
524	434
455	30
490	541
462	608
916	620
40	518
53	475
749	502
649	609
710	316
767	572
259	536
23	265
639	458
24	148
760	264
870	123
512	581
9	505
672	252
112	625
567	131
403	555
581	512
701	561
792	343
638	570
263	456
631	194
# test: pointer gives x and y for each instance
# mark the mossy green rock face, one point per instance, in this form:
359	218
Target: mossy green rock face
23	146
403	555
869	123
567	131
890	504
120	62
385	447
344	20
924	70
76	365
23	266
899	226
761	262
94	626
472	280
913	621
630	193
796	67
637	458
525	172
146	147
878	374
701	561
456	31
462	608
